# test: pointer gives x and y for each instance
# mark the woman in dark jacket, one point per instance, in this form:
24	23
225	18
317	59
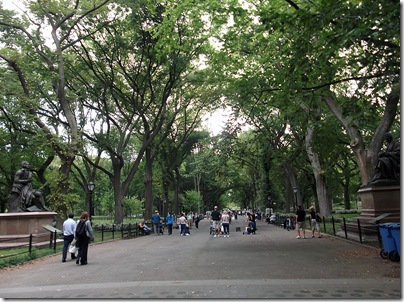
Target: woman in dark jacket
82	241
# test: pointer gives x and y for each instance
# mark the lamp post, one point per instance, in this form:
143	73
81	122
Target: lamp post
90	188
295	191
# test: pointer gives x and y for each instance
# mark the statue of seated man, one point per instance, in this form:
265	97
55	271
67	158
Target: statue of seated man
388	164
23	198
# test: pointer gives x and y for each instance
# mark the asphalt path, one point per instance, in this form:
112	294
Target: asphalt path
272	264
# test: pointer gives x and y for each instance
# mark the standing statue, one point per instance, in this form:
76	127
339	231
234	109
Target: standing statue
22	197
388	165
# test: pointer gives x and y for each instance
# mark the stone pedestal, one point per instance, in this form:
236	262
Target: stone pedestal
25	223
376	201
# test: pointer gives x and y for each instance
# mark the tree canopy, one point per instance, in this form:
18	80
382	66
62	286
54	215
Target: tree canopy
114	92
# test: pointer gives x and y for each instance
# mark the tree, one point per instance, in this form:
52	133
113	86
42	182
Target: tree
27	52
146	58
282	55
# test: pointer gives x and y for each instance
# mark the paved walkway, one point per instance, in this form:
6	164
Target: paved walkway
272	264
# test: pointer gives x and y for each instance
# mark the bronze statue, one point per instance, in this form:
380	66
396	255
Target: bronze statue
22	197
388	165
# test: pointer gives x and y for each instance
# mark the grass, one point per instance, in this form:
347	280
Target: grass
13	257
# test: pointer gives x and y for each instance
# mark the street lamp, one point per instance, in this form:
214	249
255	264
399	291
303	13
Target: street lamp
91	187
295	191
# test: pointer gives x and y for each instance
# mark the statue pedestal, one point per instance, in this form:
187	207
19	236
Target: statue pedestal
25	223
376	201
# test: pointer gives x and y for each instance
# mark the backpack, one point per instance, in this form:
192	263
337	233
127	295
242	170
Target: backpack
81	229
318	218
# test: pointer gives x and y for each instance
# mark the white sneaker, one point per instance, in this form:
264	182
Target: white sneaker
215	235
186	234
298	237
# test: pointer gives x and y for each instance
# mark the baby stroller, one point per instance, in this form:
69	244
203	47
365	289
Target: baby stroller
162	227
211	229
288	224
187	233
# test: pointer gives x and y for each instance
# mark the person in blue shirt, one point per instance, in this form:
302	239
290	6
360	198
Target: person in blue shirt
156	222
169	221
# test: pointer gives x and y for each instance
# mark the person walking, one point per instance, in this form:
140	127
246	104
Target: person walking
183	225
215	215
300	222
315	222
190	218
156	222
225	221
69	229
196	220
169	221
83	240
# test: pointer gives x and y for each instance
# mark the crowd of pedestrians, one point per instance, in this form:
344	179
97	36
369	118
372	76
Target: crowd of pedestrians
78	234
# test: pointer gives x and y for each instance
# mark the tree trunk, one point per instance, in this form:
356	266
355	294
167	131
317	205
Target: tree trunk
148	185
321	185
177	191
291	174
288	193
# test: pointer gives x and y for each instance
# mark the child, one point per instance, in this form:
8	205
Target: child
288	223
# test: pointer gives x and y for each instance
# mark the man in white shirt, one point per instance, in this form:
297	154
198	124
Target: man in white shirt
69	229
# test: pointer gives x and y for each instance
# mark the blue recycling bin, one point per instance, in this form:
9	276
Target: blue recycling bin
390	249
395	232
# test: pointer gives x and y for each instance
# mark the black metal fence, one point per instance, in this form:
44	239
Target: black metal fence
22	244
340	227
26	243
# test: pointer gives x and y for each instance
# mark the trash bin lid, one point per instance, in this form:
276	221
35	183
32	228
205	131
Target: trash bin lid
383	225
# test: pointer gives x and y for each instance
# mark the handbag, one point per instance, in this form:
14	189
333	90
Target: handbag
72	248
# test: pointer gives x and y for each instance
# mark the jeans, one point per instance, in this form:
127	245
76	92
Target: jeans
170	229
157	228
183	228
226	228
66	242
